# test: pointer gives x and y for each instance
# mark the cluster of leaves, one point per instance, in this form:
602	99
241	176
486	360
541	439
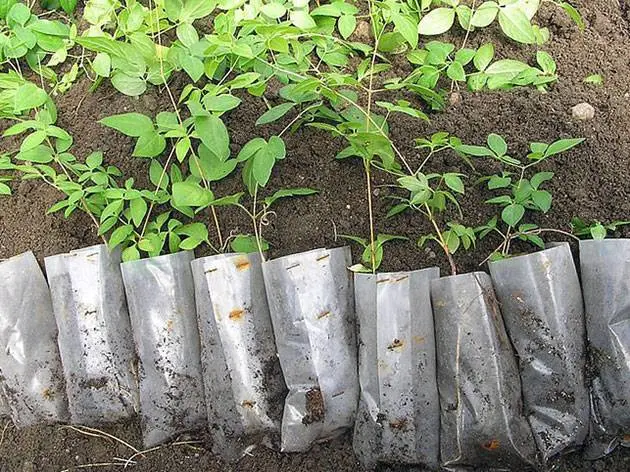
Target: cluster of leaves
595	229
438	60
519	194
323	72
41	42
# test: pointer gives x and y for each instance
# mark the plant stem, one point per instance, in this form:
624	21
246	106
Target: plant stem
448	254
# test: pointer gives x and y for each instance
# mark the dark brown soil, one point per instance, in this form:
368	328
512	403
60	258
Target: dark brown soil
591	182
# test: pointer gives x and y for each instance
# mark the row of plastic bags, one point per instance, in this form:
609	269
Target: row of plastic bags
468	370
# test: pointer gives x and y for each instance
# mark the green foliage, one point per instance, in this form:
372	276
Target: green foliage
594	229
41	42
372	256
594	79
520	192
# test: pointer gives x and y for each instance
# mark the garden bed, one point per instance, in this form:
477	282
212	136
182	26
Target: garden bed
591	182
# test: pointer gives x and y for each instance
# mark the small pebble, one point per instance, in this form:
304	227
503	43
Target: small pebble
455	98
348	207
583	112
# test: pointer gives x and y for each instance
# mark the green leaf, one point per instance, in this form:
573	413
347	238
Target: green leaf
516	25
452	241
247	244
68	6
501	200
347	24
128	85
138	210
512	214
94	160
158	177
477	151
595	79
454	182
289	192
302	19
250	148
214	135
542	199
28	96
437	21
221	103
40	155
193	66
484	15
509	67
407	27
187	34
5	189
497	182
562	145
456	72
546	62
262	166
102	64
191	194
484	56
130	124
598	231
151	144
274	10
120	235
538	179
196	9
497	144
574	14
275	113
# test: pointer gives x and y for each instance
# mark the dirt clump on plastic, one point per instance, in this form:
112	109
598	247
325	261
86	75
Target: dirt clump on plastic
315	410
592	181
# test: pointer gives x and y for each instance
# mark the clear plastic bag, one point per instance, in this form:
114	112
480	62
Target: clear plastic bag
243	381
605	267
31	376
541	302
482	421
311	302
398	420
161	300
95	339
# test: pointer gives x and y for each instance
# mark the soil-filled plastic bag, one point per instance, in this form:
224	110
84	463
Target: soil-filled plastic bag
4	406
398	420
541	303
482	421
311	301
95	339
31	376
243	382
605	269
161	300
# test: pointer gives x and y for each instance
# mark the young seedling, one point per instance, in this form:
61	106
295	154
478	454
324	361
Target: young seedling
594	229
521	194
431	195
372	256
594	79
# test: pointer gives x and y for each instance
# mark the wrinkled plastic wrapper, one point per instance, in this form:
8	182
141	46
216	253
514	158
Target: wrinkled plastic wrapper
95	340
605	269
31	376
482	421
161	300
4	405
541	302
242	377
398	420
311	301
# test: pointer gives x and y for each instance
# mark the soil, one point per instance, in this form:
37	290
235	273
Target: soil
591	182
